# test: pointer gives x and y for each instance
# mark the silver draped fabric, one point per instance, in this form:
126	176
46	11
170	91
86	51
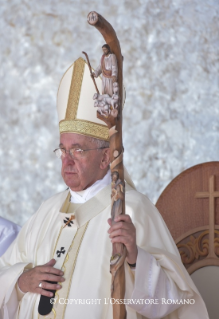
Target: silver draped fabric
8	233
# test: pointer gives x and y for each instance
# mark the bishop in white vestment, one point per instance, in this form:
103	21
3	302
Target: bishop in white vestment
71	228
158	279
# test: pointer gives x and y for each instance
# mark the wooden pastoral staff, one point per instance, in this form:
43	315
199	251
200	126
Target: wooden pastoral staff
109	110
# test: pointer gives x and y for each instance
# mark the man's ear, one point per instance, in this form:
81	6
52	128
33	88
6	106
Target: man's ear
105	161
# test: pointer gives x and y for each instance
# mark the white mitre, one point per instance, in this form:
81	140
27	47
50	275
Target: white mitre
75	103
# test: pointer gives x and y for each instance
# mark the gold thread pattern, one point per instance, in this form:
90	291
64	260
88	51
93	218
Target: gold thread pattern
85	128
57	296
54	313
75	89
74	264
66	259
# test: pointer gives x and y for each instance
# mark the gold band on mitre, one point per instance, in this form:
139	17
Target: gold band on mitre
75	103
86	128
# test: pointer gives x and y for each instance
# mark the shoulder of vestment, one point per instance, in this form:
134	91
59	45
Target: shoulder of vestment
57	197
138	204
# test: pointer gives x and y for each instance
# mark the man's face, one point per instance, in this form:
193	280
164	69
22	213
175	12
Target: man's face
105	50
81	173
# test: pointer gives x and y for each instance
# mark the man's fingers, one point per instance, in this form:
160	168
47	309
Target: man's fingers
50	277
119	239
50	270
123	217
121	232
50	263
124	232
29	280
128	238
122	225
49	286
44	292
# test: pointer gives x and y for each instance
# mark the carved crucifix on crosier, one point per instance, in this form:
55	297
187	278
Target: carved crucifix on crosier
109	110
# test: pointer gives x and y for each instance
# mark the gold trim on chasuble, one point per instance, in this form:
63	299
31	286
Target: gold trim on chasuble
68	268
69	258
71	123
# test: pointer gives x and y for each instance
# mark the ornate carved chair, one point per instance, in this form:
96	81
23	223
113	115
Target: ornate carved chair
190	207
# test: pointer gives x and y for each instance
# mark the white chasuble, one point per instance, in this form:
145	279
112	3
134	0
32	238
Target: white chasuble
159	273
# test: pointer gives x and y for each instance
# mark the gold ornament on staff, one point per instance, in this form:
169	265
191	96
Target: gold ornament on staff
109	110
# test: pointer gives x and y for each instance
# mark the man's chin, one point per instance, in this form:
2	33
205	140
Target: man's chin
75	187
72	181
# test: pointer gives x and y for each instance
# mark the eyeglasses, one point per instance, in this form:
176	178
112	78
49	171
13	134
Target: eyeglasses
75	153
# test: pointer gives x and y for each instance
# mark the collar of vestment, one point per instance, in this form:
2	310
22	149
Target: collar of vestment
84	212
85	195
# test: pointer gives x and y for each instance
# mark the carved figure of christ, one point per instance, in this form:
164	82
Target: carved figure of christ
109	70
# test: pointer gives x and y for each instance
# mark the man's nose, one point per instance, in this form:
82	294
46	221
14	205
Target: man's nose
67	157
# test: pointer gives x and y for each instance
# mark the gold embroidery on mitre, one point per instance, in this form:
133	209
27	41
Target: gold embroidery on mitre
75	89
86	128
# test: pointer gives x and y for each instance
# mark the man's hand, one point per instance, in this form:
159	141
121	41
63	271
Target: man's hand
29	280
123	231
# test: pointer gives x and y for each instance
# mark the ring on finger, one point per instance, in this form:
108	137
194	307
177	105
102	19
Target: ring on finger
40	285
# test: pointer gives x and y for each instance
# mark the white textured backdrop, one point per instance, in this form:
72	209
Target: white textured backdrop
171	67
